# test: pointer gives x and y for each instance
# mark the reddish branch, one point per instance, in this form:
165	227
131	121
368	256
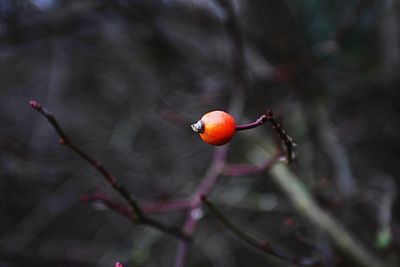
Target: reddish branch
248	170
147	208
195	213
285	138
137	215
260	121
262	245
217	166
122	209
166	206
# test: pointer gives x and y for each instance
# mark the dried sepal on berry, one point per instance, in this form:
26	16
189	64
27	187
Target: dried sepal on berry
216	127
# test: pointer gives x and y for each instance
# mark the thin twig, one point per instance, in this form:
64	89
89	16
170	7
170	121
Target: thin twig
259	244
119	208
285	138
238	58
166	206
147	208
181	254
194	214
138	216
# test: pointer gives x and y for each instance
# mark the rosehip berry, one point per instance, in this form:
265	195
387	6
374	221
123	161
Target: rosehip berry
215	127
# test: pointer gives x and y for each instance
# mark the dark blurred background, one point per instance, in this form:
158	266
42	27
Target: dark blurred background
125	79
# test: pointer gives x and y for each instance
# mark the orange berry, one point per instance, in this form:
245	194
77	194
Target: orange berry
216	127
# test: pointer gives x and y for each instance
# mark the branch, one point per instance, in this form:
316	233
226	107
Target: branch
236	103
307	207
248	170
262	245
138	216
285	138
148	208
238	58
194	214
119	208
166	206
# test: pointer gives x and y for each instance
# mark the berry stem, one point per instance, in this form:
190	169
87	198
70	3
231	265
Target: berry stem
285	138
260	121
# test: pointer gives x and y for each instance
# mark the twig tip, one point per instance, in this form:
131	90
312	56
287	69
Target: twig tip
34	104
269	115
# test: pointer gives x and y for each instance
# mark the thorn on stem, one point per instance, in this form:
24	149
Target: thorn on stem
203	198
34	104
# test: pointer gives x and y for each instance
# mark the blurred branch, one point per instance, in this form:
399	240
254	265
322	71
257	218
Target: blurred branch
138	214
338	156
238	59
307	207
195	213
119	208
104	172
166	206
260	244
147	208
236	105
247	169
